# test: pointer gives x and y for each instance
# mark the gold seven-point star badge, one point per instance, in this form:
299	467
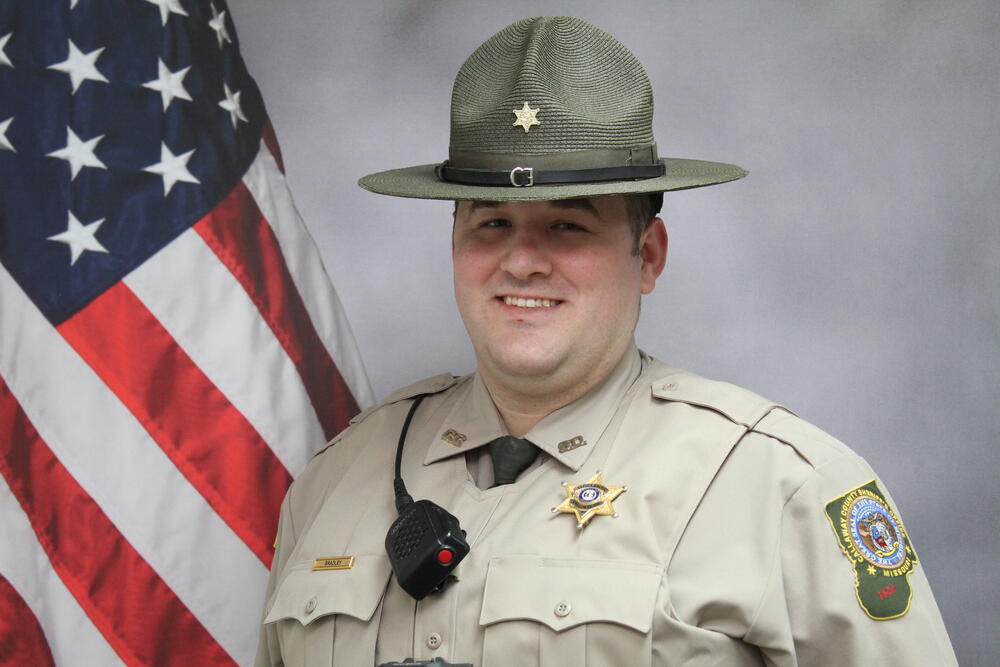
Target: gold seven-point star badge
526	117
590	499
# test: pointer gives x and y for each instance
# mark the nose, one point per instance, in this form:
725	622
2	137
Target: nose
527	255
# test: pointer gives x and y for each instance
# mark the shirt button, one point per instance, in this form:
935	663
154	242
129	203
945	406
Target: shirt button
562	609
311	605
433	640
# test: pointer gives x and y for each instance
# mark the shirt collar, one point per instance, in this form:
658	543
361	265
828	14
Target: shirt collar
567	434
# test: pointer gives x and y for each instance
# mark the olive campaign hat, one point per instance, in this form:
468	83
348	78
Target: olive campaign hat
550	108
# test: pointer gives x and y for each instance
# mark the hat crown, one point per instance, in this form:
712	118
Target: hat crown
550	108
590	91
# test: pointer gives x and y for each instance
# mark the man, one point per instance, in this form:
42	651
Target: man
619	511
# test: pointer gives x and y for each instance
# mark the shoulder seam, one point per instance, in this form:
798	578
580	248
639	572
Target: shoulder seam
432	385
810	435
738	405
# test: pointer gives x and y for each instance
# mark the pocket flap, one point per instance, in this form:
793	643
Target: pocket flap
305	594
563	592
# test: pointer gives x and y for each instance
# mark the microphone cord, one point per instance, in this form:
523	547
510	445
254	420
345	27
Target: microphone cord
402	497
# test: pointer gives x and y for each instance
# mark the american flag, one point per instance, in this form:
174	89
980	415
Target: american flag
171	349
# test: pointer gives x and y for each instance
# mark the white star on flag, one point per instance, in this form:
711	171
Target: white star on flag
72	3
232	105
4	60
169	84
168	7
79	153
218	24
80	237
172	168
80	66
4	141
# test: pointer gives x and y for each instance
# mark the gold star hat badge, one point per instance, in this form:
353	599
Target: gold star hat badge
589	499
526	117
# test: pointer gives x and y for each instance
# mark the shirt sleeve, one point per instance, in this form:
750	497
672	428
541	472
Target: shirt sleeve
846	581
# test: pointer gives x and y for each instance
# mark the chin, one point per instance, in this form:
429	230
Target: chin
525	363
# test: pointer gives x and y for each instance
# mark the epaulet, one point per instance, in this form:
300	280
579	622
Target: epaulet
431	385
812	443
736	404
754	412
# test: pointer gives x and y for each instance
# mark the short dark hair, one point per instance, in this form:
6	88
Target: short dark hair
641	209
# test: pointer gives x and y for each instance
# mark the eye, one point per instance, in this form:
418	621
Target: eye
569	227
494	223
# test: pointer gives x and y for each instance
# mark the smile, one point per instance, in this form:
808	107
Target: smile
522	302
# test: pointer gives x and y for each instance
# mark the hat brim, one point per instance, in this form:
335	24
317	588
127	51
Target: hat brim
421	182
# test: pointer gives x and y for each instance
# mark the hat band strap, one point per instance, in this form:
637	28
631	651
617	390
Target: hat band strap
528	176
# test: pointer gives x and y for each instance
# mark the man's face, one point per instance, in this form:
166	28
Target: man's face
549	291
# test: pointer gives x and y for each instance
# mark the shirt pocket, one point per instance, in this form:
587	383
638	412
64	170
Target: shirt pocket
321	616
558	611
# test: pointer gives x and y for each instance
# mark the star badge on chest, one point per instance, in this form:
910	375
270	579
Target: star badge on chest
589	499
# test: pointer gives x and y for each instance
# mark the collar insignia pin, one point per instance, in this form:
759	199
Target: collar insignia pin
453	437
526	117
571	444
589	499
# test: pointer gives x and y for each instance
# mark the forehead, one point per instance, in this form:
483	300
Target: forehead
605	208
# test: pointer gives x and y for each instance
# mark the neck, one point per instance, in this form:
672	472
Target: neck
520	412
523	402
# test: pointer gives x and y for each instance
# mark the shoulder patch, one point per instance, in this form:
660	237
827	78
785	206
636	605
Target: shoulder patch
874	540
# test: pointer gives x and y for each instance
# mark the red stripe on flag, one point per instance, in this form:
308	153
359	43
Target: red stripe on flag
244	241
208	439
141	618
22	641
271	141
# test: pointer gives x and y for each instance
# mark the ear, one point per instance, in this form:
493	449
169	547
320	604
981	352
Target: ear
653	253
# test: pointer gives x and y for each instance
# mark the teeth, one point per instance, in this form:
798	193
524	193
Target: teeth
521	302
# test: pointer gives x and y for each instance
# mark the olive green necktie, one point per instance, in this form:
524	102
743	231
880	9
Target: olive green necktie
510	457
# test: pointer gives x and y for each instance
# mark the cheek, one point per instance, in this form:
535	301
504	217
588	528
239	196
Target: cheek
620	292
470	273
471	259
610	275
468	277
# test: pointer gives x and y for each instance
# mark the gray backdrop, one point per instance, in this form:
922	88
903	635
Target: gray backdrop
852	276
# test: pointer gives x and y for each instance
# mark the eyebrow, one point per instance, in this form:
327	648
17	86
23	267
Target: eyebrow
580	203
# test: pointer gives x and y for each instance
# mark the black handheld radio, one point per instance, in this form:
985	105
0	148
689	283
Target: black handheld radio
426	542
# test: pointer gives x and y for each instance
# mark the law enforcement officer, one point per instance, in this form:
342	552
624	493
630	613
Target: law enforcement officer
619	511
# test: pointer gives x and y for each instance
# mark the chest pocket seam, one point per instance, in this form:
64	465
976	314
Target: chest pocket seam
305	595
608	591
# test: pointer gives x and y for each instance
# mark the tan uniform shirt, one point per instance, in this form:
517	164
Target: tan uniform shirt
722	552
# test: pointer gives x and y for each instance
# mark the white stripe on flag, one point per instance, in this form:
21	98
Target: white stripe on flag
270	190
112	457
210	315
24	563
